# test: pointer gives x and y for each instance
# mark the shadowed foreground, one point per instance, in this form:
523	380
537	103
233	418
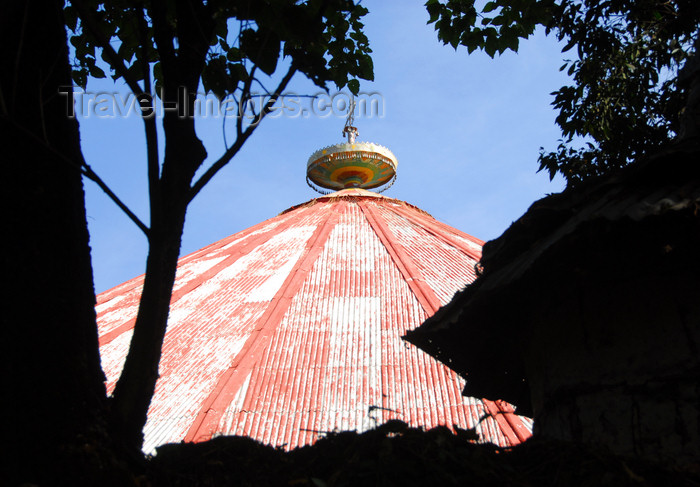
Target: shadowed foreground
394	454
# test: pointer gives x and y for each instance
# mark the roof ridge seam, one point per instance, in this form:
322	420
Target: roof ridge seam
426	296
438	232
209	414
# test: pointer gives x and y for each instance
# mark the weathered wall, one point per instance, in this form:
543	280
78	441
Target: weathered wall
613	348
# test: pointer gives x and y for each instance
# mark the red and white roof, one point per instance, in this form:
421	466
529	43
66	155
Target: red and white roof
293	328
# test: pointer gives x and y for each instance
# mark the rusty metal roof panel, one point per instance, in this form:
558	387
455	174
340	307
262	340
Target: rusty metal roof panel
292	329
446	262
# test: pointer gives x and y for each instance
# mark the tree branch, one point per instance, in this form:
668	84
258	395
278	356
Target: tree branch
150	124
117	63
245	96
86	171
90	174
240	140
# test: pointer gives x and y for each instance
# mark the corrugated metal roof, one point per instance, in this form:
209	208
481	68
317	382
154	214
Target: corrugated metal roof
292	328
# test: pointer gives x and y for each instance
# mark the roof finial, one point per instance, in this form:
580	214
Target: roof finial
349	130
351	164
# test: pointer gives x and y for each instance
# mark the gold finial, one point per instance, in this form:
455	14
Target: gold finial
351	164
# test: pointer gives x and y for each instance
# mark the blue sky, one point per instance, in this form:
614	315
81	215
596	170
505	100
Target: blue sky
466	130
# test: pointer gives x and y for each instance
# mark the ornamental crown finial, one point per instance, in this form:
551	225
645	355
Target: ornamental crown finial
351	164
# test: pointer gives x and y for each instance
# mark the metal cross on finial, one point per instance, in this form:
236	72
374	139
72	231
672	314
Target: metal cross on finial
349	130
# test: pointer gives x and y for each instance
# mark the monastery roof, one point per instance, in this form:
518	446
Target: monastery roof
292	328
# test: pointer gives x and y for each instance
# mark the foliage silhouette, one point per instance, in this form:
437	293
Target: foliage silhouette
625	101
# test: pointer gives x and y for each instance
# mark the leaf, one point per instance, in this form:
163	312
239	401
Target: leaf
489	7
158	77
70	17
510	40
238	71
233	54
569	45
263	48
498	20
82	47
491	42
220	31
97	72
354	86
434	9
366	66
215	77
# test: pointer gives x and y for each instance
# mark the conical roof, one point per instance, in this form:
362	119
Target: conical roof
292	328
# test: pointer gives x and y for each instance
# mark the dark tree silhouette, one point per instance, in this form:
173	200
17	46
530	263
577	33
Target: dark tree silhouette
625	101
53	391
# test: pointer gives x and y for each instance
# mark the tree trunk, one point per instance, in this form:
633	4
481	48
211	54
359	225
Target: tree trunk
134	390
52	382
184	153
